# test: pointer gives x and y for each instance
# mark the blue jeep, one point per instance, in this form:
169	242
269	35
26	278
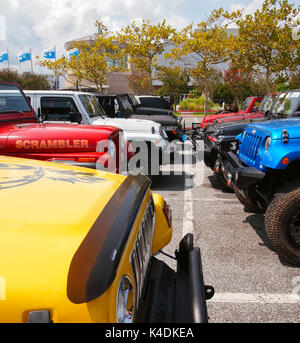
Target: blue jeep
266	174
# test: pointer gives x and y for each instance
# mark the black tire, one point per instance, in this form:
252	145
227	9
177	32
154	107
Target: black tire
282	223
222	181
251	205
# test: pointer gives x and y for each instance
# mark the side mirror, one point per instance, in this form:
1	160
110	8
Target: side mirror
75	117
42	116
116	106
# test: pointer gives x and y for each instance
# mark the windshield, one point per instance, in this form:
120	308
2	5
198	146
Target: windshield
287	104
133	100
12	100
266	103
126	104
91	105
156	102
246	104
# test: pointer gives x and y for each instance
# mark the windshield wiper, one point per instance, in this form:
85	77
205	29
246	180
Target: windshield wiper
274	115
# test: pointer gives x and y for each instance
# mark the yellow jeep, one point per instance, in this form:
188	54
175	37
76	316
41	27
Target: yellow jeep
78	245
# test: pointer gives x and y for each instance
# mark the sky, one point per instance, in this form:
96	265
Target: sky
41	24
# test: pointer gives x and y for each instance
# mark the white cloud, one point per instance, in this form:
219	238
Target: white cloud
2	28
42	24
249	8
177	21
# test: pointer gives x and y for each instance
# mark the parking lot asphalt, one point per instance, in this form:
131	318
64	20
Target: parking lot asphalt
252	283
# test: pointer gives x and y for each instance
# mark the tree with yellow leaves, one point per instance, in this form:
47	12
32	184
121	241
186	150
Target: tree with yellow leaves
91	64
144	43
265	42
206	46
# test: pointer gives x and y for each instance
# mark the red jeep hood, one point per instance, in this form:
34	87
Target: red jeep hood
211	118
52	137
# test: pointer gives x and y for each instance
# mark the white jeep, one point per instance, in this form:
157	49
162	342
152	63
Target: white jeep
83	108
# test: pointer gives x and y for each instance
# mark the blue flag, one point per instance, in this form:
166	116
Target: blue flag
4	57
49	53
74	52
24	56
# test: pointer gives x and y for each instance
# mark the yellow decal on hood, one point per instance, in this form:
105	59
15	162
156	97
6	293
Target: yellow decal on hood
52	144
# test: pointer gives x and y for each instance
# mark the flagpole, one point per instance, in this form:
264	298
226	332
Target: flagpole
54	75
31	61
8	65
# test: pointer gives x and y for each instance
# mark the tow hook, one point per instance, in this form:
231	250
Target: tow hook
229	179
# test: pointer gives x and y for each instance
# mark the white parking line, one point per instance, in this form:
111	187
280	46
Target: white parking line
188	212
263	298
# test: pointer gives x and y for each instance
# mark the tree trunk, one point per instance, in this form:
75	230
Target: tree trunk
206	97
268	83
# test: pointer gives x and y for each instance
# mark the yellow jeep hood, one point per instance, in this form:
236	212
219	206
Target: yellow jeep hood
46	211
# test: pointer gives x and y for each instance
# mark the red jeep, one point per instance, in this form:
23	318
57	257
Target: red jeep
248	110
21	135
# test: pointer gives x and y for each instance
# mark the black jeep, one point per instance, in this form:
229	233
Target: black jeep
126	106
219	138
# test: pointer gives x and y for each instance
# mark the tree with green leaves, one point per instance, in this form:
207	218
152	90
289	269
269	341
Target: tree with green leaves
10	75
174	81
34	81
144	43
26	80
265	43
206	45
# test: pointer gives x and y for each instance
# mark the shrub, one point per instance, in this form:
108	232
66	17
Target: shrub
197	104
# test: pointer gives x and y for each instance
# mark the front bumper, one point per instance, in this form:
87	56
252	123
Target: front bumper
176	297
210	156
237	174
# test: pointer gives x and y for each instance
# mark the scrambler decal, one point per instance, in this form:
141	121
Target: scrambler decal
52	144
23	174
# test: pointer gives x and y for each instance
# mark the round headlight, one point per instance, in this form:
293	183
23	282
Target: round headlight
268	143
111	147
125	301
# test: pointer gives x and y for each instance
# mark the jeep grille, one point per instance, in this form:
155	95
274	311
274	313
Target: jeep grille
142	250
249	147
